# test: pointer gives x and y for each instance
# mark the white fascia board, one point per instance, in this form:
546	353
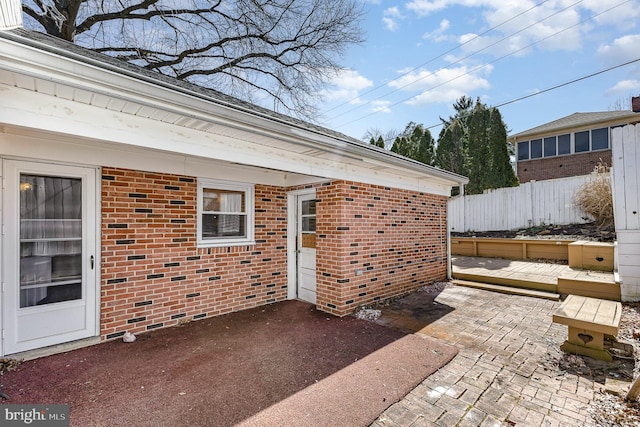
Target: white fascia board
79	73
44	113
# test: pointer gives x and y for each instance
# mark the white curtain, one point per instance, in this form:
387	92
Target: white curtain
50	210
10	14
229	202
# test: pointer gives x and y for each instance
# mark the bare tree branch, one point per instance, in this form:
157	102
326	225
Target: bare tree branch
271	51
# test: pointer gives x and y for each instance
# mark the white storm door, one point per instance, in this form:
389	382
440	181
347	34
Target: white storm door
49	255
306	243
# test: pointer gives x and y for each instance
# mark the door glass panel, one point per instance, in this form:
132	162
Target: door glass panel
50	239
308	226
308	207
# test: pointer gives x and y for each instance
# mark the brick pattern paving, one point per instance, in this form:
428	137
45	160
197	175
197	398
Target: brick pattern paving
502	375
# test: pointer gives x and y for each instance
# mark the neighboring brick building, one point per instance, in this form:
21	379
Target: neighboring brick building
569	146
133	201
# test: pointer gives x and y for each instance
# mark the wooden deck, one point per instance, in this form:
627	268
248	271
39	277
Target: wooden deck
547	277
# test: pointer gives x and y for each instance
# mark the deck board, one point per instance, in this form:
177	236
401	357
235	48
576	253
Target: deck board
533	275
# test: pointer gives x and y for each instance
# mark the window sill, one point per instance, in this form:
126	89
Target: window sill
226	243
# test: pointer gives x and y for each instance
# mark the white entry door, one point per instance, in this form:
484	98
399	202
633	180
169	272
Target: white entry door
306	243
49	255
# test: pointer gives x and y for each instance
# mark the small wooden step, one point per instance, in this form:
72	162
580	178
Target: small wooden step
508	289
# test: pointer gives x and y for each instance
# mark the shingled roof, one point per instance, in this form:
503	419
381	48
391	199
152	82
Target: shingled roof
73	51
576	120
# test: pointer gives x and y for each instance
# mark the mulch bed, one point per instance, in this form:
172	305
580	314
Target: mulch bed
223	370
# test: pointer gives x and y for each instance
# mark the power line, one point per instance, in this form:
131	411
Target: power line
466	57
437	57
492	62
558	86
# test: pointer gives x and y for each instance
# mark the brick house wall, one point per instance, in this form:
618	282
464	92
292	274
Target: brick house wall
154	276
561	166
395	238
372	243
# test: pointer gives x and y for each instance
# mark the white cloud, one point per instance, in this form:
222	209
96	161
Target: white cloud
444	85
438	34
390	18
622	49
426	7
346	86
624	87
624	15
548	26
380	106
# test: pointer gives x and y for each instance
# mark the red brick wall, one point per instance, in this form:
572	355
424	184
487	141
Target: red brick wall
396	238
561	166
153	275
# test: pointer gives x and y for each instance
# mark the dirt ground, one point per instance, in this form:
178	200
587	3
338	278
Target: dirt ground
610	408
589	231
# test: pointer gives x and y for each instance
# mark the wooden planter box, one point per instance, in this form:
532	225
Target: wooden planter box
580	254
515	249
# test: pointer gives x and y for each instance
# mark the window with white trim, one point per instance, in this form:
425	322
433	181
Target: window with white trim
225	213
568	143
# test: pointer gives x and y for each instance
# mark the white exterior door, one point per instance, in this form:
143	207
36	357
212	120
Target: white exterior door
306	244
49	255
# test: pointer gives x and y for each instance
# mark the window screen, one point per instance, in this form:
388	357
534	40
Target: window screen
564	144
536	148
523	150
582	141
600	139
550	146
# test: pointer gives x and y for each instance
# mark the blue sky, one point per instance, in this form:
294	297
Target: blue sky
420	56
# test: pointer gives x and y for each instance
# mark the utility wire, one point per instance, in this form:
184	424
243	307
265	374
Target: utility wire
463	58
437	57
489	63
558	86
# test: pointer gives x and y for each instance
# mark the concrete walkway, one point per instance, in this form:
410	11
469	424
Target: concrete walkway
506	372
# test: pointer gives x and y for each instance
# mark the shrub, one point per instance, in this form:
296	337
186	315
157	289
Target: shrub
595	199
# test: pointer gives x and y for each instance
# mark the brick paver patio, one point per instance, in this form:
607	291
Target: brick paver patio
504	373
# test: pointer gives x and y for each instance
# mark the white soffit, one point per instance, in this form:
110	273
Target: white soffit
65	78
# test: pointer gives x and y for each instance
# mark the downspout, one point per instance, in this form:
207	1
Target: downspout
10	14
449	266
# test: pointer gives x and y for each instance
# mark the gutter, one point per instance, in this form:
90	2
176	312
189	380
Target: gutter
257	118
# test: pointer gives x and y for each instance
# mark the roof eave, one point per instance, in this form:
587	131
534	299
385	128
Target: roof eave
198	103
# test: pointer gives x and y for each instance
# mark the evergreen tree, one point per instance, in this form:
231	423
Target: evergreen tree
477	159
501	171
474	143
451	149
425	147
400	146
377	142
415	143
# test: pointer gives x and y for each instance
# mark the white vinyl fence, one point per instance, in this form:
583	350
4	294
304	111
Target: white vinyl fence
531	204
625	149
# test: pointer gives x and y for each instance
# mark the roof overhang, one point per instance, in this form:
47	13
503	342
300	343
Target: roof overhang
567	125
63	91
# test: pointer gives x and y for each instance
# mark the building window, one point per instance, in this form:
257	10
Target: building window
523	150
582	141
550	146
536	148
225	213
600	139
564	144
